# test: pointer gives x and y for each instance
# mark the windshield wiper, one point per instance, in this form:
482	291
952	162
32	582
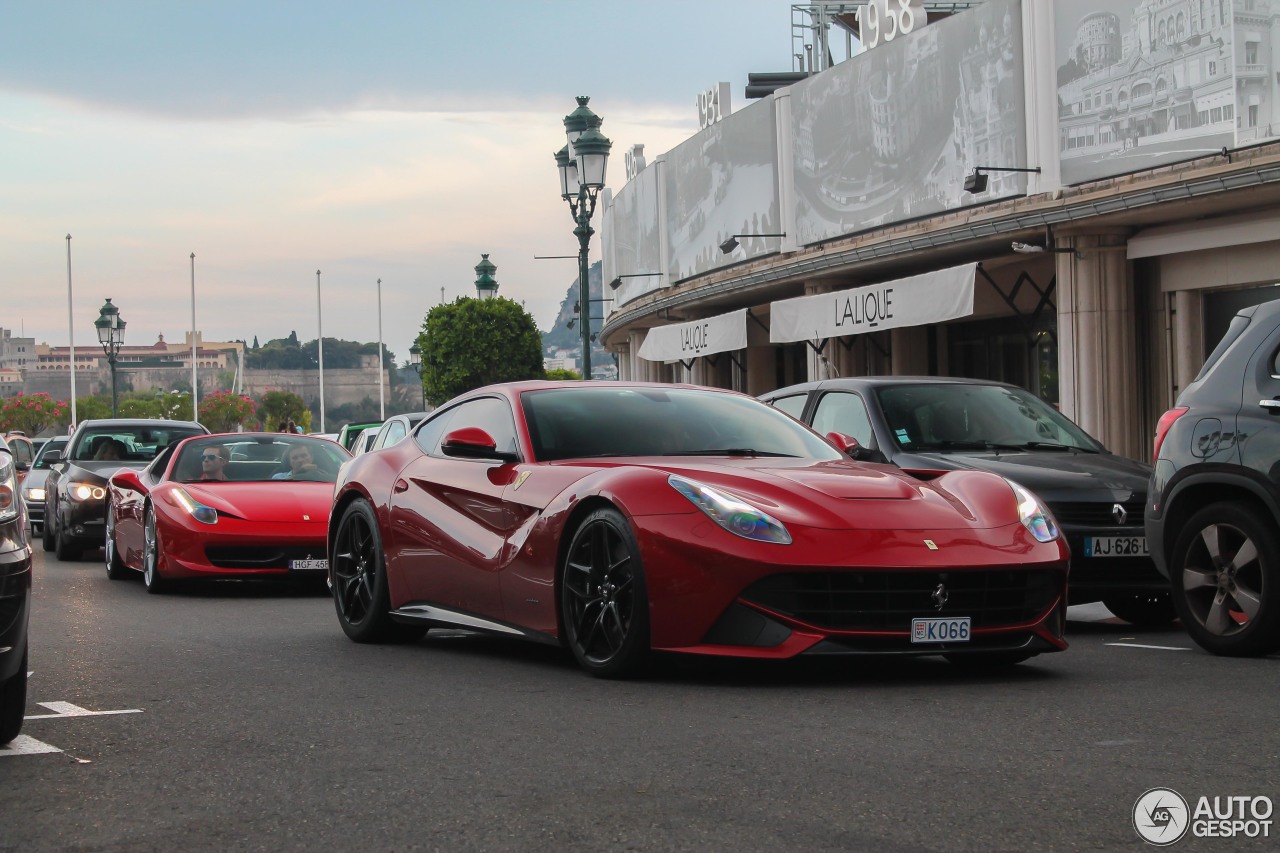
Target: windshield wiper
730	451
1050	445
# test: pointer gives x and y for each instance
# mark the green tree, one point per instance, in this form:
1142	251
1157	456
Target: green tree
223	411
276	407
91	408
475	342
31	413
563	374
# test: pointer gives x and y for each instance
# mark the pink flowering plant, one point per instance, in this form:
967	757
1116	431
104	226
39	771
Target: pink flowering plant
31	413
223	411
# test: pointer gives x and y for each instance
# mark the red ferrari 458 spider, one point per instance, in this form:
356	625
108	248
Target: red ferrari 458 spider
224	506
624	518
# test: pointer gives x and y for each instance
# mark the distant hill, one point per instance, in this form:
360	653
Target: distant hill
560	337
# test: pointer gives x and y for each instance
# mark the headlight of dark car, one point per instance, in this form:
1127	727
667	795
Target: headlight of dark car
8	488
86	491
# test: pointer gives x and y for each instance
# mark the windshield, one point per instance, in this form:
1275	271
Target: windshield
259	458
955	416
120	443
571	423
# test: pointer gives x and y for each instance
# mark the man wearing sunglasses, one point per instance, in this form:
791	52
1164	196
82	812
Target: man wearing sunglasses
213	463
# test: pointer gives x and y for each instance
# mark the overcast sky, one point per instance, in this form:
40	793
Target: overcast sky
392	140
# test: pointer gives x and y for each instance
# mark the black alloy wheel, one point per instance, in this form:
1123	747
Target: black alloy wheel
13	702
115	566
603	598
361	594
151	554
1144	609
1226	580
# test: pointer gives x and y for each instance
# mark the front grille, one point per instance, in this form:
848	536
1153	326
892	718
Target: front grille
1098	513
886	600
258	556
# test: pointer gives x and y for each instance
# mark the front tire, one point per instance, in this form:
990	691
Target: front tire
361	590
63	549
1144	609
115	566
151	577
46	529
1226	580
604	601
13	702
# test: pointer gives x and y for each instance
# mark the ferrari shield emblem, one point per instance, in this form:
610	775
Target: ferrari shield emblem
524	475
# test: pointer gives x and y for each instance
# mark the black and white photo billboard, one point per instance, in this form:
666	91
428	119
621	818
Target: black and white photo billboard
721	182
890	134
634	245
1141	84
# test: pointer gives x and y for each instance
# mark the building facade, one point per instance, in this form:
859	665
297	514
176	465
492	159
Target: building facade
1131	205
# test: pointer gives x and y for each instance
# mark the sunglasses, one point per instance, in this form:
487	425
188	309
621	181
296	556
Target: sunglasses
209	457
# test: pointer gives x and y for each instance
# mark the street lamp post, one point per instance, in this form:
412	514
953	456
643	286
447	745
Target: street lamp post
582	164
486	284
415	360
110	326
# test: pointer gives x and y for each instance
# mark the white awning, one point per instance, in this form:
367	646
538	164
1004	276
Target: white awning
931	297
687	341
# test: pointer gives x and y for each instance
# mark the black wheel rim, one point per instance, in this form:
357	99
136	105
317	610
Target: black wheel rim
1223	580
355	563
149	549
599	592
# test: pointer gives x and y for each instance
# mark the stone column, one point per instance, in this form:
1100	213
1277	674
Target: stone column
1188	339
909	351
1097	362
760	358
624	362
637	364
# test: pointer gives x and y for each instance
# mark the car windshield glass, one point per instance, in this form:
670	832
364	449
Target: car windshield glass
955	416
571	423
120	443
274	457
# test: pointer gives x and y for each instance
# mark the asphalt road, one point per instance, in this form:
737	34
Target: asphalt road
252	723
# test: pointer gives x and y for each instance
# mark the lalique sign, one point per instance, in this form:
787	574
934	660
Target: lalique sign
687	341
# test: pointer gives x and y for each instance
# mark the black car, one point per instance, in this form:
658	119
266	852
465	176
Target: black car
931	423
76	489
15	599
1213	519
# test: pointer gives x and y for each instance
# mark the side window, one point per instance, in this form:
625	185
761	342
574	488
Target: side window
429	434
395	432
21	453
491	414
840	411
793	405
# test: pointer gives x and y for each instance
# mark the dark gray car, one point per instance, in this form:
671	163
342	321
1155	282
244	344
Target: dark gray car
933	423
1213	520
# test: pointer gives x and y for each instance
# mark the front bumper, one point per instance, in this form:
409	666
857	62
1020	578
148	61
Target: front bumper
237	549
83	522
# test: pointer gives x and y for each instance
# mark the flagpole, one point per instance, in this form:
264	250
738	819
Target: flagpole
71	338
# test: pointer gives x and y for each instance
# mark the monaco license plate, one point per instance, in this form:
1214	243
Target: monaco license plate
308	565
933	630
1115	546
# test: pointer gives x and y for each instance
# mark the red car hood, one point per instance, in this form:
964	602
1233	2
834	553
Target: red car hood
852	495
276	501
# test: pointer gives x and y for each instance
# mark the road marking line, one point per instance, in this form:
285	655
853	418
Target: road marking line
24	745
1143	646
66	709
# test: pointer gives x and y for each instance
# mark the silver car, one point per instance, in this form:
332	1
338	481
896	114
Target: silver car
33	485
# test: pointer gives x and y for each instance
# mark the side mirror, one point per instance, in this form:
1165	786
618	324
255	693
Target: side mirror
849	446
53	456
127	478
473	443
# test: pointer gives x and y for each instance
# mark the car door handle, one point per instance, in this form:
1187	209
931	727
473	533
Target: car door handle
1269	404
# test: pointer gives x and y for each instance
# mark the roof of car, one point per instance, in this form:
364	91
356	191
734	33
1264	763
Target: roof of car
883	381
136	422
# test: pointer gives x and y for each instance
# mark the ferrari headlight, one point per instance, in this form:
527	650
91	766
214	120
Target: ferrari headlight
1034	515
200	512
35	493
86	491
734	515
8	488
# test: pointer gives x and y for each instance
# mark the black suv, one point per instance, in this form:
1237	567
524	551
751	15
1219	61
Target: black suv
1213	516
930	424
15	599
